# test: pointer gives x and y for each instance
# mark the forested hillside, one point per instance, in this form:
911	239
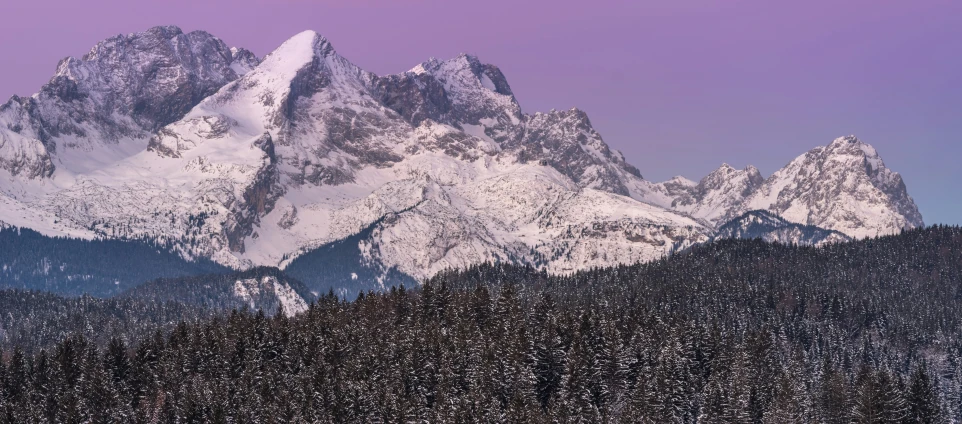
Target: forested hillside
261	288
32	320
30	260
734	331
342	267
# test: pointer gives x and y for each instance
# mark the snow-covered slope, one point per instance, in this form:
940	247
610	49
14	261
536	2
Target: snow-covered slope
303	148
844	186
103	106
717	197
179	138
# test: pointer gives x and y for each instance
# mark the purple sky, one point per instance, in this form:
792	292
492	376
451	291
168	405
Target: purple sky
679	85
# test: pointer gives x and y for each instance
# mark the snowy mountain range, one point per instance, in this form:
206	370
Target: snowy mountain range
179	138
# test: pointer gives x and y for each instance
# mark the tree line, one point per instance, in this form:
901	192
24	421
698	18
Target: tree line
733	331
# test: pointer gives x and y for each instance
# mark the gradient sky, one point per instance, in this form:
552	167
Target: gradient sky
679	86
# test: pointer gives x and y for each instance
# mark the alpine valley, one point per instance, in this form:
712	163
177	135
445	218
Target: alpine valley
301	160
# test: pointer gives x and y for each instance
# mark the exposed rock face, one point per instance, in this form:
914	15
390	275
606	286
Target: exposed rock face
416	97
121	91
457	92
177	137
21	153
844	186
476	98
258	199
269	293
717	197
567	142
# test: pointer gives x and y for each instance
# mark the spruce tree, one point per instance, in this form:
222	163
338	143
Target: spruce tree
922	399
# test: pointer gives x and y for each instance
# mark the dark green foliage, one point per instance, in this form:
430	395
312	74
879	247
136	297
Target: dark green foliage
215	291
29	260
767	225
922	397
33	320
340	266
737	331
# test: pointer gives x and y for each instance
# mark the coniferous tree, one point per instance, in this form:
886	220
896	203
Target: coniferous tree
734	331
922	399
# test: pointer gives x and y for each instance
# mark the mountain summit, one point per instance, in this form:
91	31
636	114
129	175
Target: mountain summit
844	186
179	138
105	105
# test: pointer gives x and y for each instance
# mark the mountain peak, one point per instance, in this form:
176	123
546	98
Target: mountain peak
859	150
124	88
300	49
115	46
165	30
317	41
460	62
844	186
467	58
726	168
845	140
683	180
309	58
851	144
303	147
464	71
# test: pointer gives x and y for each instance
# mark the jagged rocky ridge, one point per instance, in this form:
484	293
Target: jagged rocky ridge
844	186
117	95
181	139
